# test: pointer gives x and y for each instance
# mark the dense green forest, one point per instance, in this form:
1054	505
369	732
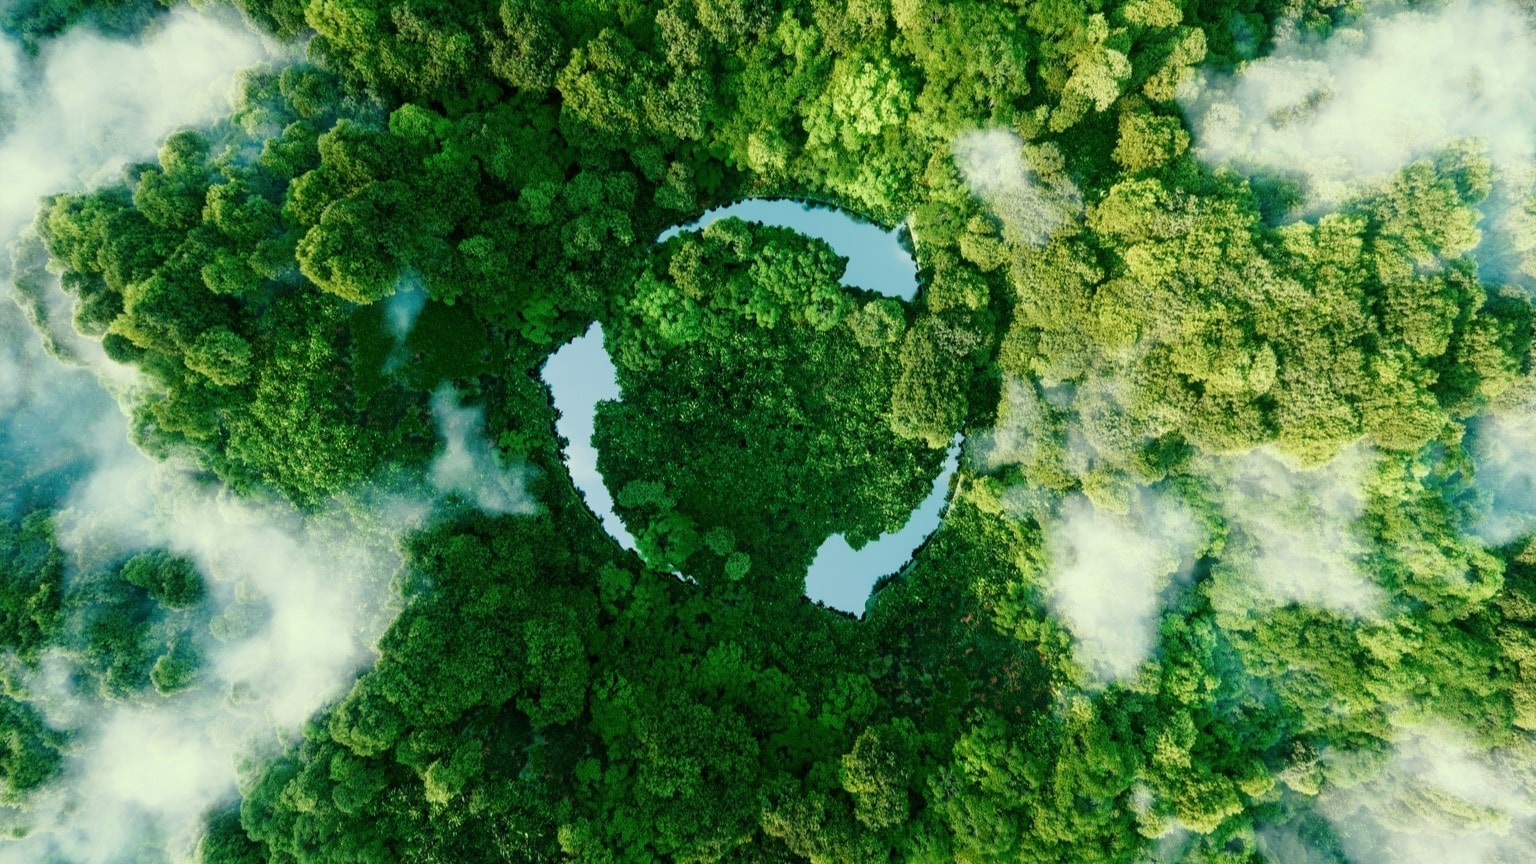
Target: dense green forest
1225	576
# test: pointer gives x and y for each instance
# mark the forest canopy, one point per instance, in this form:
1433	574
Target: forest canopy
1239	565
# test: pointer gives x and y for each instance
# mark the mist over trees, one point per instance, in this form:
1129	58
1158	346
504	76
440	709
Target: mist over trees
1238	566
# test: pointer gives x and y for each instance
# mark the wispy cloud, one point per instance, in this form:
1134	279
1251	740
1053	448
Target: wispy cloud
400	313
1435	798
469	465
1504	456
140	774
1295	533
144	772
1108	571
1372	98
1030	203
1020	435
94	104
70	118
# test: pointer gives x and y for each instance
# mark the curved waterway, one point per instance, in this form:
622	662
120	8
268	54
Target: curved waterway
580	375
877	260
842	576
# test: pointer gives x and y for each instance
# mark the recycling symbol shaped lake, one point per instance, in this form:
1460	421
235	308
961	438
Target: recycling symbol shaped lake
702	544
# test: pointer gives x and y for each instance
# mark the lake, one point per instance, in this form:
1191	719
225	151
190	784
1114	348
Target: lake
580	375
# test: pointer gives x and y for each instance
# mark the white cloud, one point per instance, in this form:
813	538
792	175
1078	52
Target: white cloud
1371	99
1296	537
1504	453
1107	573
1436	798
1022	418
1112	552
469	464
401	309
1508	252
72	117
400	313
52	418
139	776
145	772
98	103
1000	171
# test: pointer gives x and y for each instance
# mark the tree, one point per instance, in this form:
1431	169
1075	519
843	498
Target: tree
877	773
929	401
32	569
31	753
176	669
172	580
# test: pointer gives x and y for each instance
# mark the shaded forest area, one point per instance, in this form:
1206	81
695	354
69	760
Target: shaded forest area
1114	324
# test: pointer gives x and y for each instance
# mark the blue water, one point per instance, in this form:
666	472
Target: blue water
841	577
580	374
876	259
